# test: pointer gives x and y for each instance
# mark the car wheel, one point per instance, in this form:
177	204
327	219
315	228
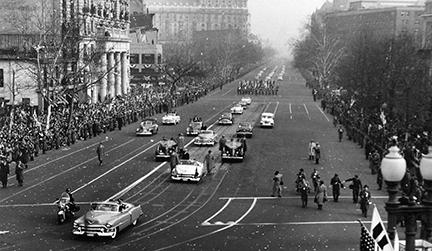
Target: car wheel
114	234
135	222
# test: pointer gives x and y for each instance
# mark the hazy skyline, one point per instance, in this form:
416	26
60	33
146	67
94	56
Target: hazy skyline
280	21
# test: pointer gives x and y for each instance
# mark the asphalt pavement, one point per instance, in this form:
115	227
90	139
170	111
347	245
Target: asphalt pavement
231	209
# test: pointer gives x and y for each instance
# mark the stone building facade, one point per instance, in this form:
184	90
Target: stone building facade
177	20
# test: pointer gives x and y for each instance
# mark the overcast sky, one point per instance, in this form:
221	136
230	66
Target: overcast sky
280	20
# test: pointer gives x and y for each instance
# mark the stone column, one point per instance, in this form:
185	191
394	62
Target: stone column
118	90
103	82
124	73
111	69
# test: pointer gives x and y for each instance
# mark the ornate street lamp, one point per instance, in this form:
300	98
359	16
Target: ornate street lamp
393	168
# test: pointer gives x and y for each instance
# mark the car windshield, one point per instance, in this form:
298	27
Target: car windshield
105	207
244	125
171	114
206	133
187	162
195	124
148	123
226	115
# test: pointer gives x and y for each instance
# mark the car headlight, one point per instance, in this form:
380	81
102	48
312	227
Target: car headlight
108	225
137	129
75	225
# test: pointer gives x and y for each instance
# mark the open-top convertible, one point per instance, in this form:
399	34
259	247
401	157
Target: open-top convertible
237	109
188	170
267	119
233	150
147	127
244	129
107	219
226	119
246	100
164	149
205	138
171	119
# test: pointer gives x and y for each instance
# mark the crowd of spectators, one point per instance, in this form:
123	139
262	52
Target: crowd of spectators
26	133
376	132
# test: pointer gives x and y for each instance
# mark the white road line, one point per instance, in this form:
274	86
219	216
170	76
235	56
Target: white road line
227	92
276	108
53	160
291	223
4	232
323	113
232	224
61	173
288	197
290	109
206	222
307	112
115	167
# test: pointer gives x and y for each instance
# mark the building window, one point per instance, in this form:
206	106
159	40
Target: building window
134	71
148	59
1	78
134	58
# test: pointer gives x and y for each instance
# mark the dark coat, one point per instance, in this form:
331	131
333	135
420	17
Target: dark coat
4	171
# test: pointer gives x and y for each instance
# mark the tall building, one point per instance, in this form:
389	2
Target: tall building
427	26
177	20
87	33
367	4
380	22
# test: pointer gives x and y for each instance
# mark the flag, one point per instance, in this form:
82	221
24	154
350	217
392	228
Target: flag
379	234
367	243
396	242
383	118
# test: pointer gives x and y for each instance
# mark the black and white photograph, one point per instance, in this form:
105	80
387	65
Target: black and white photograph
207	125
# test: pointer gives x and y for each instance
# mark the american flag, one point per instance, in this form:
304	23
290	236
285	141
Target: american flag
367	243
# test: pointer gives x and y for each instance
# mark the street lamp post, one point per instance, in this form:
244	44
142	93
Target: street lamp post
393	168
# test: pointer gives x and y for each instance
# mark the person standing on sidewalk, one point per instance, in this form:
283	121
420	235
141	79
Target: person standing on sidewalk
100	153
4	172
340	133
277	184
19	172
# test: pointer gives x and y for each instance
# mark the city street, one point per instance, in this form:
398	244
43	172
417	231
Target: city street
231	209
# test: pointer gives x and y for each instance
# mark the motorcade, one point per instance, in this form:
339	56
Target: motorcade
244	129
107	219
246	100
194	127
171	118
237	109
164	149
65	209
188	170
147	127
205	138
226	119
267	119
233	150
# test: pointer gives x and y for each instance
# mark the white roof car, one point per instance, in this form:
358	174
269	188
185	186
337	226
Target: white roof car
188	170
247	100
205	138
267	119
171	118
237	109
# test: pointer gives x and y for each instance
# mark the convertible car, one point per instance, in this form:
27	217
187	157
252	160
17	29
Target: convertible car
267	119
205	138
188	170
107	219
226	119
147	127
164	149
171	119
233	150
244	129
194	128
237	109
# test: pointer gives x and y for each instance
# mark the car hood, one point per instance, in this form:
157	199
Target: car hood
205	137
97	217
187	169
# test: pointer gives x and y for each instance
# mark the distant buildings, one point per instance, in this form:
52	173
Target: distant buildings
177	20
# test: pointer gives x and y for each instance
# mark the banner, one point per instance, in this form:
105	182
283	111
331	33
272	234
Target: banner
379	233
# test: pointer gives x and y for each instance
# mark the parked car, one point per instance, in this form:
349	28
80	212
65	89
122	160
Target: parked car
107	219
171	119
237	109
233	150
244	129
267	119
205	138
188	170
147	127
164	149
194	128
226	119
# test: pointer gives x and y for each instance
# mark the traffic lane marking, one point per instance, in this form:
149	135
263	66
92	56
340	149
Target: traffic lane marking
307	111
322	112
289	223
59	174
207	221
232	224
291	197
